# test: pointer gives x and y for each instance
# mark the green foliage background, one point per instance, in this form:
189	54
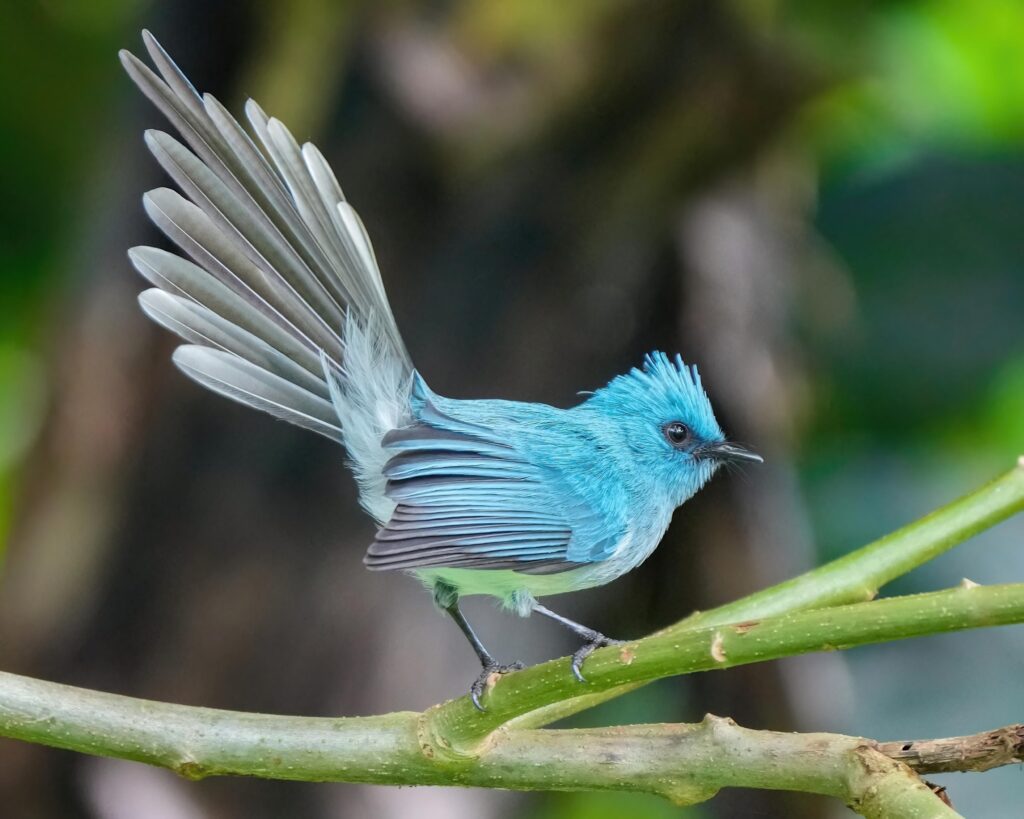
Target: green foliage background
912	346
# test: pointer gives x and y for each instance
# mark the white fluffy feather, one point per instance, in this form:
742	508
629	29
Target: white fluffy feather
370	393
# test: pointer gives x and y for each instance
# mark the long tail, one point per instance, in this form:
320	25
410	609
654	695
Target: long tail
282	304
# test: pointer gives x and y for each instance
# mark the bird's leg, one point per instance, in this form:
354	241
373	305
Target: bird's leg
592	639
448	599
489	664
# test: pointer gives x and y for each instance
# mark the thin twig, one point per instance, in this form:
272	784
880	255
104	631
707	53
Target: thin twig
977	752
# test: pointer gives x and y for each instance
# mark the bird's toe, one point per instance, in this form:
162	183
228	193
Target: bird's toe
597	641
488	677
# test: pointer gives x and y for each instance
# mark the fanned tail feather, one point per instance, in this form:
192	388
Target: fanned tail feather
282	305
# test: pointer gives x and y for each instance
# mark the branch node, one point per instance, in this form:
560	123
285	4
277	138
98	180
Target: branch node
880	786
191	769
718	648
437	747
716	725
683	795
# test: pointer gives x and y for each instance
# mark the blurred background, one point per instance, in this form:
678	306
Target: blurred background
822	204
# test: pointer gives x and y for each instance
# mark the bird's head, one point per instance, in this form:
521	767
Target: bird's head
666	421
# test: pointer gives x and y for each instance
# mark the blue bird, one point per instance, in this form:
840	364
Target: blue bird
284	309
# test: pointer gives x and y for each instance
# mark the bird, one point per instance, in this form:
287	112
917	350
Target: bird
278	297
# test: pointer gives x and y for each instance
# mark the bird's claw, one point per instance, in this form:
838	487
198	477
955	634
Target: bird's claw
484	681
596	641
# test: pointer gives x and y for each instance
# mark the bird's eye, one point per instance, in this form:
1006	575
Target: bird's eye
677	433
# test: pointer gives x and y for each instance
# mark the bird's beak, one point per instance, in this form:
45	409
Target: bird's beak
729	453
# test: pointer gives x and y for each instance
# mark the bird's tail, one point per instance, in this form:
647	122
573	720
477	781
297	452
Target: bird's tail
282	303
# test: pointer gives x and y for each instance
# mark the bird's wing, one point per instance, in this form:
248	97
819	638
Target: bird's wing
280	260
468	499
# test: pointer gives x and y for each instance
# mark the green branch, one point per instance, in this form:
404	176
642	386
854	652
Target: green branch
685	763
458	729
454	744
860	574
854	577
447	745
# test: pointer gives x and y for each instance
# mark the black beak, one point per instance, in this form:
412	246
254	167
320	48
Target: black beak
729	453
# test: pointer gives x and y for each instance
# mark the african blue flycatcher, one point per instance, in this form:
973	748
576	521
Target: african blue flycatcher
284	309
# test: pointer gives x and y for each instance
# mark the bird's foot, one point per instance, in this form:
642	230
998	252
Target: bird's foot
595	640
488	677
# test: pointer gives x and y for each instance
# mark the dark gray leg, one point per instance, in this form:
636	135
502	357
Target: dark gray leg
592	639
460	620
448	599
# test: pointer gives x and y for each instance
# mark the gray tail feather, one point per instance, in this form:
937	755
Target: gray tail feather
282	272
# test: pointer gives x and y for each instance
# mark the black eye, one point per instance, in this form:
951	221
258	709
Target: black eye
677	433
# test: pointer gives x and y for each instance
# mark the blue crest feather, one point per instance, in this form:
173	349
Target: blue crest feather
667	389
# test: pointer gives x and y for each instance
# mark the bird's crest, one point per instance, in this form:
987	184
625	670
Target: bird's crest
665	388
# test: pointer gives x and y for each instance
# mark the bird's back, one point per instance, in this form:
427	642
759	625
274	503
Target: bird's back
500	485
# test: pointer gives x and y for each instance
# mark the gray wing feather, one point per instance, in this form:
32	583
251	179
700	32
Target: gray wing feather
470	495
202	326
243	381
284	272
188	226
181	277
465	501
248	227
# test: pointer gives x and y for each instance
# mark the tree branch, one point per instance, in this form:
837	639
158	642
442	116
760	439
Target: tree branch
454	744
458	729
860	574
978	752
854	577
686	763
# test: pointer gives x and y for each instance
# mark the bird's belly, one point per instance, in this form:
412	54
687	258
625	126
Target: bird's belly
511	585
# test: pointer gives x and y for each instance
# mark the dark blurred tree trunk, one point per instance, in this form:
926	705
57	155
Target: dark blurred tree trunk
174	546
